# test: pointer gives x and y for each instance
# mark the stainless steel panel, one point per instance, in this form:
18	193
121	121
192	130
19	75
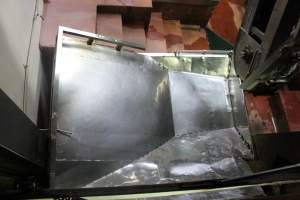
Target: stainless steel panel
189	157
200	102
111	107
210	125
238	103
207	62
116	115
194	156
239	113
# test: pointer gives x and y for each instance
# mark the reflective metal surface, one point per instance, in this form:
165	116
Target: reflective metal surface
239	113
112	108
220	195
238	103
122	119
189	157
207	63
199	102
212	138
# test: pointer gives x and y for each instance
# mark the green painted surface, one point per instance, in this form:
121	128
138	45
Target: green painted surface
216	42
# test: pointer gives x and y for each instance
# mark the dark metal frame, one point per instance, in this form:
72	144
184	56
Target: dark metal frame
256	75
267	41
280	176
20	141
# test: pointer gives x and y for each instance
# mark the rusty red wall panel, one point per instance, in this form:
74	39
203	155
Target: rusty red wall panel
192	12
110	25
133	11
195	40
290	101
173	35
259	114
76	14
135	34
156	41
227	18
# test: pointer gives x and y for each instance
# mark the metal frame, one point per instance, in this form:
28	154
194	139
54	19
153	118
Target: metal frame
267	41
264	59
91	37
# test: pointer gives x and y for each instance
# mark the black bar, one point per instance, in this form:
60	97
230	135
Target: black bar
288	173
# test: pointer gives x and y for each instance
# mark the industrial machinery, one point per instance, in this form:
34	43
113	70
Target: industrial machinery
166	125
267	52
